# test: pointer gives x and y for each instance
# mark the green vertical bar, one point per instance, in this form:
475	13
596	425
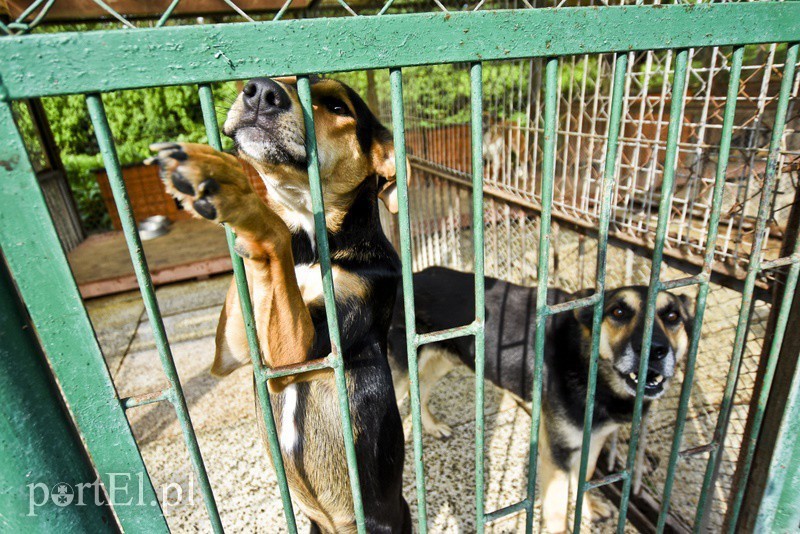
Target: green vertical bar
476	105
609	179
167	13
239	275
772	361
548	171
753	268
779	510
670	161
412	347
700	307
42	275
304	92
38	445
107	149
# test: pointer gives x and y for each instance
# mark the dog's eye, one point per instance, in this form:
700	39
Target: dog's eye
671	317
619	313
336	106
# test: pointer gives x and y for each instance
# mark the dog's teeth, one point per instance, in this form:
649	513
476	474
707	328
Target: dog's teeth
633	377
658	379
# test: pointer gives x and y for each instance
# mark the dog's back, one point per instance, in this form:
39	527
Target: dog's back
445	298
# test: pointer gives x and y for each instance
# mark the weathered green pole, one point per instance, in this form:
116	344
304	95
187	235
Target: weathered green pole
39	450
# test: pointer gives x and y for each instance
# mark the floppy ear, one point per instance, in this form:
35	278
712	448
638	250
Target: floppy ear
384	164
231	350
584	315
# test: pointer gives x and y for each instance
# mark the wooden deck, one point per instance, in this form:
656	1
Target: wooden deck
192	249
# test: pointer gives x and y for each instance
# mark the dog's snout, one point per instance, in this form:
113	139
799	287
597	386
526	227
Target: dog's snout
265	95
658	350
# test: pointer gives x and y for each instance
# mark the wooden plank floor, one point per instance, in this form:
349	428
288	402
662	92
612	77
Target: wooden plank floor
192	249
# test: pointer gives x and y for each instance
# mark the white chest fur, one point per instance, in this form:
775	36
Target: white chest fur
289	434
309	280
298	215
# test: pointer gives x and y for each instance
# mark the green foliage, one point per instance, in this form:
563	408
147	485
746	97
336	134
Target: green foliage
137	119
33	145
81	173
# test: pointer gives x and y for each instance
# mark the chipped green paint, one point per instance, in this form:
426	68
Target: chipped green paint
34	462
114	171
37	262
51	64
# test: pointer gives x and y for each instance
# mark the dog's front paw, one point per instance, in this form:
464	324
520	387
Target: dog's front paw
209	183
595	509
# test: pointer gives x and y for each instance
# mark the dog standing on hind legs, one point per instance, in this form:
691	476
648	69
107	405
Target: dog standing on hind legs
276	240
444	299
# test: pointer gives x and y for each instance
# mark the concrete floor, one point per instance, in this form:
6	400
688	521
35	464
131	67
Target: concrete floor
224	419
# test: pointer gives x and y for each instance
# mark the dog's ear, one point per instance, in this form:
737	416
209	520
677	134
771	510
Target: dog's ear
231	350
687	311
383	161
584	315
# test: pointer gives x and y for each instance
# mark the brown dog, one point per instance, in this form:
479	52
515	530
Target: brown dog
276	240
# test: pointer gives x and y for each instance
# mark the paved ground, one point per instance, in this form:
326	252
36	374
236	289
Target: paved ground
223	415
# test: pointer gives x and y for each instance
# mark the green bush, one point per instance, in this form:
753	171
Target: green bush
137	119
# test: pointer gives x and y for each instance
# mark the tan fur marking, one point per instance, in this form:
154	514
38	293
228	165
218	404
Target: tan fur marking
434	364
554	485
678	337
613	335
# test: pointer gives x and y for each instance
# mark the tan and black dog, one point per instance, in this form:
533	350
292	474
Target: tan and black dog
276	239
444	298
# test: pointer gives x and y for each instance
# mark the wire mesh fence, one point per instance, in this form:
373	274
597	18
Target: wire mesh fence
438	140
442	235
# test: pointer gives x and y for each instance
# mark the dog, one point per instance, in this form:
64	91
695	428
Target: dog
277	241
444	298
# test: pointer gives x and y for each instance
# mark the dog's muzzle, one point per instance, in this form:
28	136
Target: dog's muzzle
659	371
264	126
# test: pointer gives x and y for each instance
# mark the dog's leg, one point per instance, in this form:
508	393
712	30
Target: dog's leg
434	364
595	510
554	483
400	379
212	185
231	341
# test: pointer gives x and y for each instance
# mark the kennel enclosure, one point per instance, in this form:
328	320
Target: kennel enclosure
91	63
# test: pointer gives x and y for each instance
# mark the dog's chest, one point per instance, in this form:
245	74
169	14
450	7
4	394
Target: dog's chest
309	280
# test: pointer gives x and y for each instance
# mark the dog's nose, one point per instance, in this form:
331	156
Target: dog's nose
266	96
658	350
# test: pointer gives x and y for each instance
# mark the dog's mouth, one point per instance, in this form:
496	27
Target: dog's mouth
654	384
271	146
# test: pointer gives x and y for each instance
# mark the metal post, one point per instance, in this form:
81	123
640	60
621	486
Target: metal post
38	444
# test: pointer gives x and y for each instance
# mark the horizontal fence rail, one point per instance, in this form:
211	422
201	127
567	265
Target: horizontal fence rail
95	62
57	64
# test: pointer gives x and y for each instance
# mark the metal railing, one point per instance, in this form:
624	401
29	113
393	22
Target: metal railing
96	62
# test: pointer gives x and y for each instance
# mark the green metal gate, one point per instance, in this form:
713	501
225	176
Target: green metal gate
92	63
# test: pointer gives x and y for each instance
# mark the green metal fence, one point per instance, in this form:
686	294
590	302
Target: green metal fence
92	63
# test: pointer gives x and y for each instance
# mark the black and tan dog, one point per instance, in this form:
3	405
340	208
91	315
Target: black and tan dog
444	298
356	158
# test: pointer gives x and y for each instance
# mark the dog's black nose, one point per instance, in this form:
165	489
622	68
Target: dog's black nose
266	96
658	350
